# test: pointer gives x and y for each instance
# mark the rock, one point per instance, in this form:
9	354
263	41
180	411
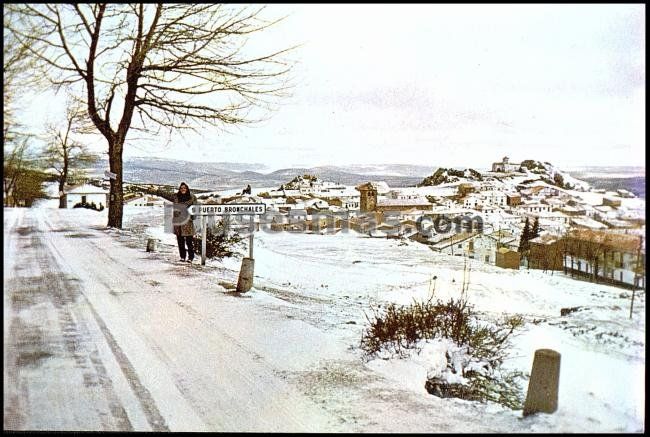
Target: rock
565	311
443	389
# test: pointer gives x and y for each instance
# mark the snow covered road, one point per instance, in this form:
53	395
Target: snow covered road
99	345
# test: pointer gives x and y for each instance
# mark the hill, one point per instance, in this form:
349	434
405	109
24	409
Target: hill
226	175
529	171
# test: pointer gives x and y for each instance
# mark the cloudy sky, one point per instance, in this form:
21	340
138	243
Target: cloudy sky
447	85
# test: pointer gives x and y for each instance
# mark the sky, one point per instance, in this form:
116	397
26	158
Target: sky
442	85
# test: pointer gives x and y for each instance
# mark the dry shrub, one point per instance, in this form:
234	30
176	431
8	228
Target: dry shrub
398	329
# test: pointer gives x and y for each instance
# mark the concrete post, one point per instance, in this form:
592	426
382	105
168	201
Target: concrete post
544	383
204	239
246	272
151	245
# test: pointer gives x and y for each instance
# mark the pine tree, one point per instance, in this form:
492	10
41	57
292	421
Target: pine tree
525	236
535	232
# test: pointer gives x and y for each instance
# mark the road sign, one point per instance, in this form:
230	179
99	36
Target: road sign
228	209
110	175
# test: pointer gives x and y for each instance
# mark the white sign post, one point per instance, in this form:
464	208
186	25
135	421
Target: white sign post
226	209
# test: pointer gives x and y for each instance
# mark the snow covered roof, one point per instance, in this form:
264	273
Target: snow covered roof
616	223
403	202
293	193
454	239
588	223
148	198
87	189
545	239
316	202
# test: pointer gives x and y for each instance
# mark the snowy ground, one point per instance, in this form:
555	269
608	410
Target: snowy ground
293	341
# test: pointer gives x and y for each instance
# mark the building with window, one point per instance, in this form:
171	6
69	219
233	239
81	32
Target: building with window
87	194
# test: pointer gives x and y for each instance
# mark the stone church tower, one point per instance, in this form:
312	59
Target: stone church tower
368	201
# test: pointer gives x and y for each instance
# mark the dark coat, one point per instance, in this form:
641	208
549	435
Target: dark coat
187	228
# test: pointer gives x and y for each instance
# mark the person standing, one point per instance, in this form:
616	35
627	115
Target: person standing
183	221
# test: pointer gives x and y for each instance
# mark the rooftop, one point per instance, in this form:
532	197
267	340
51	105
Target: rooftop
87	189
403	202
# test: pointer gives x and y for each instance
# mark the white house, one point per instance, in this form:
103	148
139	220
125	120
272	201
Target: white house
494	197
148	200
458	244
87	194
532	208
484	246
404	194
470	201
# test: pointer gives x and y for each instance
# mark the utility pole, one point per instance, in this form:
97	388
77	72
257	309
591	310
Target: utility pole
636	272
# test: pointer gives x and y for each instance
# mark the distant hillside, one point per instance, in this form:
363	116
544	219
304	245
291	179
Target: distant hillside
635	184
224	175
611	178
406	170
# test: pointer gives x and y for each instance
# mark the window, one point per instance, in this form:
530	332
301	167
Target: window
460	245
487	258
83	199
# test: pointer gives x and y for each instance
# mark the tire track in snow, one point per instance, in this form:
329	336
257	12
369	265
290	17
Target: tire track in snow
46	333
226	382
153	415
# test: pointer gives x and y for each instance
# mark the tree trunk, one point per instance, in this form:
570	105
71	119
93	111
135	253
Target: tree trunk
595	270
62	199
115	202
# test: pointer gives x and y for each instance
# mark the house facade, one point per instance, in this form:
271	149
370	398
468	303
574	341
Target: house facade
607	256
87	194
507	258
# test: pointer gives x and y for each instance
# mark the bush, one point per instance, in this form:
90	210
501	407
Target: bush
398	329
90	205
219	243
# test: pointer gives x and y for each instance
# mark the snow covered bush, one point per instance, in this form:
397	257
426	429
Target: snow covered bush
474	349
90	205
219	244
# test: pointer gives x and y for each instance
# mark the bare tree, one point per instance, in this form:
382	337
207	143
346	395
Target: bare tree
590	246
64	153
18	69
12	169
147	67
22	179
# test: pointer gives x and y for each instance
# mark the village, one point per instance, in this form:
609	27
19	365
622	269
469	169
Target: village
584	231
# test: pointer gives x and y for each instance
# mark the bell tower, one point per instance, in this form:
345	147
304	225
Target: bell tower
368	201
